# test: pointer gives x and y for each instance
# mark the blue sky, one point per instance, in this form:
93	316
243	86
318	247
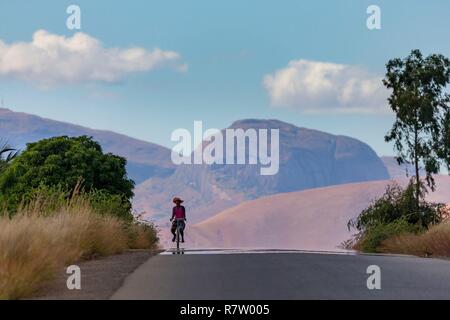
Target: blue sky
229	48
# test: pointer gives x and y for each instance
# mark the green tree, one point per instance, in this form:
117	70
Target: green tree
445	138
64	162
420	104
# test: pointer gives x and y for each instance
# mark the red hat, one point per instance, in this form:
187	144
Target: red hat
176	199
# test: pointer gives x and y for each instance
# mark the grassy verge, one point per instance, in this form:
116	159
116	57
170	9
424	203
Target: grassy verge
35	242
400	238
434	242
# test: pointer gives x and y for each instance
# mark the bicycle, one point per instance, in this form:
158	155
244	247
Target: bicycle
180	226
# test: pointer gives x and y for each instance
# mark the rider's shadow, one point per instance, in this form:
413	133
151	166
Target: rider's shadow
178	251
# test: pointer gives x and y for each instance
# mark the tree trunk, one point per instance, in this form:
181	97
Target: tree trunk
416	166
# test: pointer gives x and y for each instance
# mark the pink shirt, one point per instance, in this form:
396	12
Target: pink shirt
178	212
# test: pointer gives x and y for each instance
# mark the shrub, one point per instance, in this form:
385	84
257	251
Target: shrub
47	200
116	205
371	239
398	203
141	234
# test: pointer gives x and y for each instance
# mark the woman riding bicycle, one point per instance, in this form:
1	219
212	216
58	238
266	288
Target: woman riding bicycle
178	216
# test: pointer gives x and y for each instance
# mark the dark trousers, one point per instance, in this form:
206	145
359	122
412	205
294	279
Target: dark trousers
173	229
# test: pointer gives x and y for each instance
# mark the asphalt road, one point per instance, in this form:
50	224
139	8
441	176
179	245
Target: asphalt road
278	275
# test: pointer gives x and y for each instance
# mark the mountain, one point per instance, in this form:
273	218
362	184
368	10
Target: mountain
145	159
314	219
308	159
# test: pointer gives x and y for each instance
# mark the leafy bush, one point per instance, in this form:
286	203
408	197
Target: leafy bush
141	233
372	238
114	204
398	203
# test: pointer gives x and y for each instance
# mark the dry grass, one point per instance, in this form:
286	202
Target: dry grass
33	245
434	242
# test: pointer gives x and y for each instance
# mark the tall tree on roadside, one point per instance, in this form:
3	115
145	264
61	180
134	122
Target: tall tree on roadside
421	106
445	137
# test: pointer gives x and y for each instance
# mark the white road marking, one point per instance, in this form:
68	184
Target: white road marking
172	251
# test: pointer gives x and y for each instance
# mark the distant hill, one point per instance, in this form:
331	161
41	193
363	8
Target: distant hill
145	159
398	171
308	159
314	219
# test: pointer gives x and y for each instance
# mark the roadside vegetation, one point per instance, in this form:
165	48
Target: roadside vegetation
389	223
62	200
434	242
402	221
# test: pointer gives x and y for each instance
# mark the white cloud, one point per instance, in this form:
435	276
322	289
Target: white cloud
52	59
314	86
